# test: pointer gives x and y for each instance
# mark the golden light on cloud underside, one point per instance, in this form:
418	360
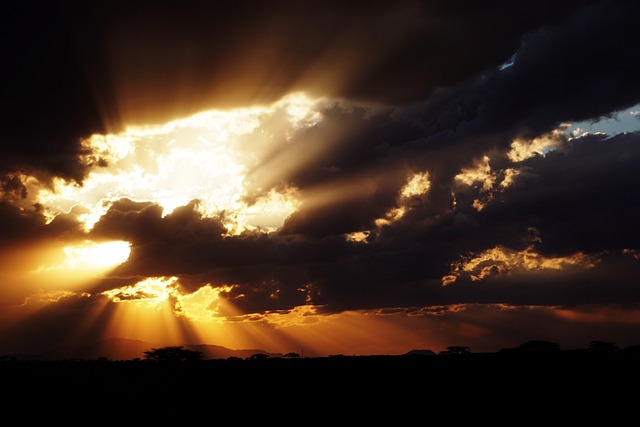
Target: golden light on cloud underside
156	309
481	172
358	236
417	185
523	149
206	157
202	305
500	260
151	291
486	180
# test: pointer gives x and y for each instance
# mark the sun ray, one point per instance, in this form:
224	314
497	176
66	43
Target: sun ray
155	323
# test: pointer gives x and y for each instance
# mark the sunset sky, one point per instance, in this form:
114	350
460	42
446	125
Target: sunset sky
325	177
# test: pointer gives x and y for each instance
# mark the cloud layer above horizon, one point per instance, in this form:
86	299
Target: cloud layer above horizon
409	156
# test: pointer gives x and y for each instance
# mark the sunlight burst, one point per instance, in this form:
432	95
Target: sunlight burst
92	255
205	157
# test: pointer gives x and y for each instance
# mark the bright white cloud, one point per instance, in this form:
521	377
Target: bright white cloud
205	157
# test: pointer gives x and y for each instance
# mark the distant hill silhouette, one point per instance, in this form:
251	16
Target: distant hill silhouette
218	352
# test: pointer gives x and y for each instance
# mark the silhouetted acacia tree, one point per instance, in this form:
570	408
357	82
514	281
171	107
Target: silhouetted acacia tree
294	355
172	354
258	356
603	346
456	349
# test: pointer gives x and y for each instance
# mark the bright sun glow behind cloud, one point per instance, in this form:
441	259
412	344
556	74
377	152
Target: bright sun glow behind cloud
205	157
99	254
90	255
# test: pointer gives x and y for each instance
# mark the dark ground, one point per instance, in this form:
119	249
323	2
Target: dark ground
390	390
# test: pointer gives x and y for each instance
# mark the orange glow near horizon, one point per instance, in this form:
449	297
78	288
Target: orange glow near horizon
595	315
155	323
156	310
306	330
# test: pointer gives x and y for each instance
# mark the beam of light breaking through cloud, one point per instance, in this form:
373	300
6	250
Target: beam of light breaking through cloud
205	157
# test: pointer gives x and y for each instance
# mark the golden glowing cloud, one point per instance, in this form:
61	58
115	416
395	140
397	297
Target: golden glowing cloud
500	260
151	291
481	172
417	185
207	157
509	177
491	181
358	236
523	149
202	305
391	216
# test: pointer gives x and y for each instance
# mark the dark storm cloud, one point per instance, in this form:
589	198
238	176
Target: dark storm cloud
23	225
71	70
582	68
140	222
576	71
584	199
15	226
361	172
48	102
580	198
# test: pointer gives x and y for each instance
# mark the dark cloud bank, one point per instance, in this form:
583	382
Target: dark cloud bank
419	87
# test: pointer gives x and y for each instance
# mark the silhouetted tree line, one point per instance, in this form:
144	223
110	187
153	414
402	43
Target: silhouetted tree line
541	346
173	354
179	353
182	354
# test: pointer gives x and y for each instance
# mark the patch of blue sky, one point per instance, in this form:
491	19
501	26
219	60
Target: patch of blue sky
624	121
